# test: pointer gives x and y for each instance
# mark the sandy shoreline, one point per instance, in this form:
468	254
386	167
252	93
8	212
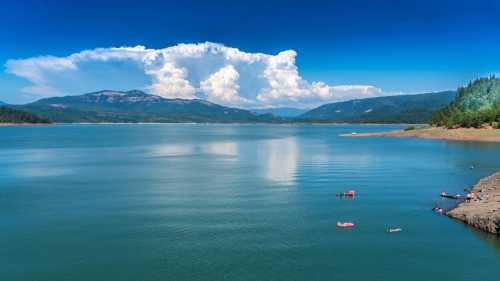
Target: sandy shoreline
483	212
461	134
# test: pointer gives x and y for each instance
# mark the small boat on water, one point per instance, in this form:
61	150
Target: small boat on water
394	229
449	196
345	224
350	193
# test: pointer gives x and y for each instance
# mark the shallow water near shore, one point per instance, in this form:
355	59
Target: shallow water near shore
236	202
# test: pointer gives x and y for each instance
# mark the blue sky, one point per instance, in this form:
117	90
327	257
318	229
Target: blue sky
341	49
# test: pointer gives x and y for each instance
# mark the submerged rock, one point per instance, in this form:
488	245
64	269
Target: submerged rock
484	211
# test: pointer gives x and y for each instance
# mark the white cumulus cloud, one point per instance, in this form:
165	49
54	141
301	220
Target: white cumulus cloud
222	87
206	70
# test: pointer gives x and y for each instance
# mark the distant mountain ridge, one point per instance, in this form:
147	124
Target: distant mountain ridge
388	109
137	106
281	111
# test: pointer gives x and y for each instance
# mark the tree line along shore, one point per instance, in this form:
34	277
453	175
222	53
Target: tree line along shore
9	117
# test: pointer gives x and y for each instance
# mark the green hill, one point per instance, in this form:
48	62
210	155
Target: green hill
389	109
136	106
476	104
9	115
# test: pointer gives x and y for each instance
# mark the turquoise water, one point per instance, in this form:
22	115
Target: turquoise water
235	202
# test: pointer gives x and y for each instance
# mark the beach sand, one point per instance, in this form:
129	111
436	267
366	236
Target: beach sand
460	134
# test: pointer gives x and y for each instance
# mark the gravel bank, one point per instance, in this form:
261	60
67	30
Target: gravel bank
483	212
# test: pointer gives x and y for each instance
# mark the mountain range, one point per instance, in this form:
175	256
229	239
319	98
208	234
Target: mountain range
389	109
137	106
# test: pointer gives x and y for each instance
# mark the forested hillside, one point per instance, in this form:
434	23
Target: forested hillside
475	105
389	109
9	115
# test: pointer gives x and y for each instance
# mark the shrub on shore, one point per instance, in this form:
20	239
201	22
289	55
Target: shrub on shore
469	119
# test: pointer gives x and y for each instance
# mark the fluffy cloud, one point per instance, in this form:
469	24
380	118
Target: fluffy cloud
207	70
34	69
222	87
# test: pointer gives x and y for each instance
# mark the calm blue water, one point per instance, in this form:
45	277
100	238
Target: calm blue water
235	202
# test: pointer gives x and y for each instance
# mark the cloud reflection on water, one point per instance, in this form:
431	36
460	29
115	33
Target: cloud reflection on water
221	148
211	148
177	149
281	156
39	163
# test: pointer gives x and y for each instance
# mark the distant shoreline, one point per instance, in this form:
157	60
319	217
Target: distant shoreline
10	124
215	123
460	134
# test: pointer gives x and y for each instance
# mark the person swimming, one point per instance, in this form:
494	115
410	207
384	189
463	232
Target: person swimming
438	209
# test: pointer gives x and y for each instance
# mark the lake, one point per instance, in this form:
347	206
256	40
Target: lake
235	202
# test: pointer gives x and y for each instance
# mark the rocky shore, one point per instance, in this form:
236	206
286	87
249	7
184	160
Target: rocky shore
484	211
